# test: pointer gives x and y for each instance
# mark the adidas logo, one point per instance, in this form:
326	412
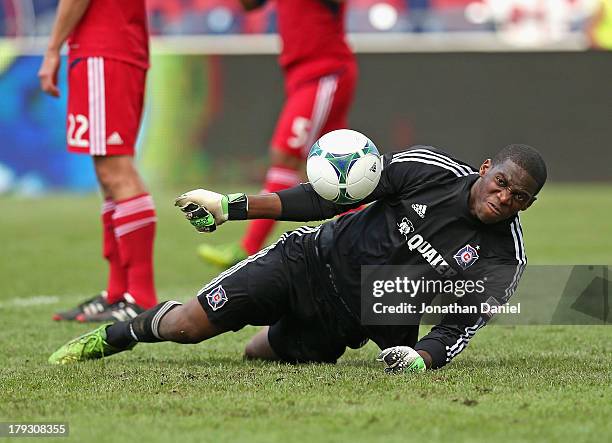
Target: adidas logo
114	139
420	210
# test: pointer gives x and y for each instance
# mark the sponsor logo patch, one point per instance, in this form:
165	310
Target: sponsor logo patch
466	256
416	242
216	298
405	227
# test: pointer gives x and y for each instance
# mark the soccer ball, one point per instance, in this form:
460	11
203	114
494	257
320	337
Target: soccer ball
343	166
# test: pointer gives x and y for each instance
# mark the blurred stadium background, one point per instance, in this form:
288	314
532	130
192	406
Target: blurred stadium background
466	75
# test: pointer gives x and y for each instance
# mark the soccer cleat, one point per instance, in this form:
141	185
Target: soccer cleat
89	346
123	310
223	256
92	306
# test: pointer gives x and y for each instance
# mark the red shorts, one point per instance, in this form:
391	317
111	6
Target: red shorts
313	108
105	99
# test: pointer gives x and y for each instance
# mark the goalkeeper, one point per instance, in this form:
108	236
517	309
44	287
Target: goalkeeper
305	288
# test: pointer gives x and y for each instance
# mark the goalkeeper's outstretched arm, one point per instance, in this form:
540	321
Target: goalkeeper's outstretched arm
300	203
207	209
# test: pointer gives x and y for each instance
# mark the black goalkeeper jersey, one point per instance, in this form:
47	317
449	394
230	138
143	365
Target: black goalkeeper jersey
420	216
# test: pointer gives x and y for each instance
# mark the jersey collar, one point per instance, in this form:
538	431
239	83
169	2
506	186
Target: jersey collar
464	197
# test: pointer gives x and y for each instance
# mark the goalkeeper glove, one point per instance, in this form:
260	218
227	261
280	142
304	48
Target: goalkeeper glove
206	210
401	359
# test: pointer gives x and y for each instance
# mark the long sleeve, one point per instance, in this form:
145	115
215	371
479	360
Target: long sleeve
400	173
502	274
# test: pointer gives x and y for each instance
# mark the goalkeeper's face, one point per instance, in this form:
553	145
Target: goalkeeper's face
501	192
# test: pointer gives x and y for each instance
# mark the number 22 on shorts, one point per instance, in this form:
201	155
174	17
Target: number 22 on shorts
77	126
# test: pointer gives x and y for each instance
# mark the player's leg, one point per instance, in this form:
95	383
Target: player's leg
117	283
168	321
129	228
81	122
314	108
132	227
306	111
310	331
259	347
327	106
297	340
343	99
118	177
252	292
346	84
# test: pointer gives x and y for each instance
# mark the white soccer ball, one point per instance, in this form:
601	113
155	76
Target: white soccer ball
344	166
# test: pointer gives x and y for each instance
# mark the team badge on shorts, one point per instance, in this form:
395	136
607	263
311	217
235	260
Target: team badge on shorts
466	256
216	298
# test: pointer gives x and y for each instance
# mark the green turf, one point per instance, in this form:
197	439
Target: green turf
514	383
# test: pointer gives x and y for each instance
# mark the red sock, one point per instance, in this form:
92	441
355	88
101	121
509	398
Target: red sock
117	275
134	221
277	179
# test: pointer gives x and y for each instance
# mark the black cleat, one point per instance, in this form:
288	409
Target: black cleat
93	305
121	311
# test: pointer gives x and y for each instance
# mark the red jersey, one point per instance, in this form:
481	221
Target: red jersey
115	29
313	38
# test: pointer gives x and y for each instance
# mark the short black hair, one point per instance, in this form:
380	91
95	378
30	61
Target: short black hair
525	157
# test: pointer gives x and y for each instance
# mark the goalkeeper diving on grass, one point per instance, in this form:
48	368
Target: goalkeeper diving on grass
428	209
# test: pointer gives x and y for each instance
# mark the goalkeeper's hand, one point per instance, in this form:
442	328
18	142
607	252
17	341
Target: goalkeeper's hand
401	359
206	210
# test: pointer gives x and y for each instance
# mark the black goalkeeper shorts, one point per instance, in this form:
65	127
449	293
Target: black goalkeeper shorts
281	286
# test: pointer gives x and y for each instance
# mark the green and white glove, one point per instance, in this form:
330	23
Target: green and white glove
401	359
206	210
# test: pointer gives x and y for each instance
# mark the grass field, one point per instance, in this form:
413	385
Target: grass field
521	383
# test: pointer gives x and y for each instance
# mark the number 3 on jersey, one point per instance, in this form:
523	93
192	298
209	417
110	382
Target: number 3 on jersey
300	129
77	127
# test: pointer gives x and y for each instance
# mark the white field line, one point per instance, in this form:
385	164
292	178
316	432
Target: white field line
174	292
26	302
